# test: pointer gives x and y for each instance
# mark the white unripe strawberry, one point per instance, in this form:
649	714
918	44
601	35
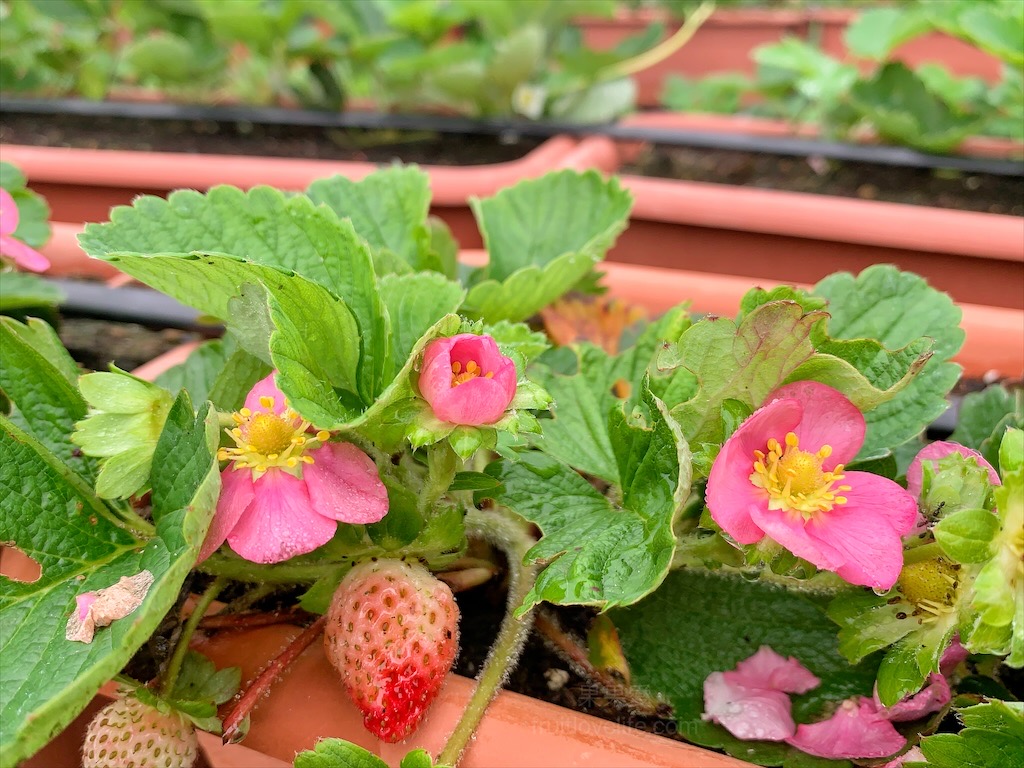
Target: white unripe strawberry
130	734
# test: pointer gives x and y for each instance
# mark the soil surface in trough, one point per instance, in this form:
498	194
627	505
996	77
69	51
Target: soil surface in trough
210	137
986	193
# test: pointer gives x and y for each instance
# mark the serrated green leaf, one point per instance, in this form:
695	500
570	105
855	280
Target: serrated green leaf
336	753
876	32
49	679
979	415
966	536
527	290
415	302
999	33
315	339
696	624
537	221
993	734
46	403
897	308
595	554
388	209
44	340
742	362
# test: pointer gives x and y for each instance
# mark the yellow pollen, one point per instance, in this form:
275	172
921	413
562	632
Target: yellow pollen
794	478
472	371
265	440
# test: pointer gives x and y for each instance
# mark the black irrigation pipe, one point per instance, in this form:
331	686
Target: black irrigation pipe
145	306
127	304
779	145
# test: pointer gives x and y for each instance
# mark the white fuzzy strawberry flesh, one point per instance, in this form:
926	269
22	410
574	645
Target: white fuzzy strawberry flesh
129	734
392	634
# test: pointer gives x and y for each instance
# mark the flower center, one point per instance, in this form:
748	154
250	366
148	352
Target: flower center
472	370
264	440
931	586
794	478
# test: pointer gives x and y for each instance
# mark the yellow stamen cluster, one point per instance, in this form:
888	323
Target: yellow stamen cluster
931	585
264	439
794	478
460	376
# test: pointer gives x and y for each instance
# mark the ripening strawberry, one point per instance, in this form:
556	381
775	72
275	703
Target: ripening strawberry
129	734
392	634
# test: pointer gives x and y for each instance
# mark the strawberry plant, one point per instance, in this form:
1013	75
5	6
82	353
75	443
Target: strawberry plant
771	558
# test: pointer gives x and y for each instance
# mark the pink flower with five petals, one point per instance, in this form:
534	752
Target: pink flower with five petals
23	256
285	490
781	475
466	380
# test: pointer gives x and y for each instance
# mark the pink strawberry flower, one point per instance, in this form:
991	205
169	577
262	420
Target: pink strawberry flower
751	701
858	729
466	380
781	475
23	256
286	489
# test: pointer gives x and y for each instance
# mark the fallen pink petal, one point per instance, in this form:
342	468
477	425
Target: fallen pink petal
466	380
912	755
931	698
781	475
102	607
856	730
751	701
286	488
22	255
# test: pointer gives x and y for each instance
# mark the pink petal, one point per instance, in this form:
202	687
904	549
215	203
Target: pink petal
829	418
791	531
856	730
8	213
24	256
236	494
266	388
767	669
731	498
747	713
939	450
931	698
280	523
867	530
474	402
83	602
344	484
953	656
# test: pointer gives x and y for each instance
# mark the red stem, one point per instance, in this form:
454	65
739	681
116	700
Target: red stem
247	701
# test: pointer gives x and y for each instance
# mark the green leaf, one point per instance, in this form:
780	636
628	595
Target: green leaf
267	229
979	415
415	302
966	536
314	341
993	734
33	212
897	308
536	221
696	624
597	554
388	209
528	290
903	110
46	403
999	33
336	753
876	32
20	291
44	340
744	362
53	517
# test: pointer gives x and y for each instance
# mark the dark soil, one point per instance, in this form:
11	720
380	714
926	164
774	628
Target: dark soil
944	189
94	344
209	137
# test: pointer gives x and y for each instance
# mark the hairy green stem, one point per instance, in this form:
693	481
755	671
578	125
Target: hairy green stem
442	464
181	649
512	535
